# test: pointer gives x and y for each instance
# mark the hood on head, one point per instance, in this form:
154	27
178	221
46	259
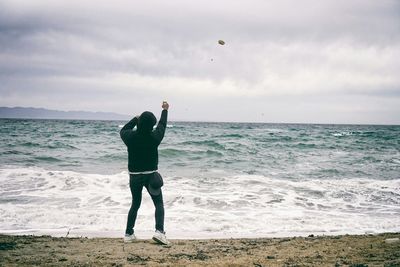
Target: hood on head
147	120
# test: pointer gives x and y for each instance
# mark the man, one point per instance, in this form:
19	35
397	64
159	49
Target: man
142	147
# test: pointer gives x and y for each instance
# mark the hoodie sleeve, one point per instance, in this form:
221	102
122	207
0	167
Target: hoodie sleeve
162	124
126	131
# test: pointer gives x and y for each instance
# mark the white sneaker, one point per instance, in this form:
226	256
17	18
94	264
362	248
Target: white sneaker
160	238
129	238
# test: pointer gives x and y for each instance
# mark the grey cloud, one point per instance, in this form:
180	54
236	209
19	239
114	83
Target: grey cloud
241	19
273	48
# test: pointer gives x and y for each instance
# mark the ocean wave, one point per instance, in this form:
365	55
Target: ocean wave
60	145
340	134
229	204
49	145
47	158
367	134
233	180
229	136
172	152
69	135
213	153
14	152
30	144
207	143
112	157
306	145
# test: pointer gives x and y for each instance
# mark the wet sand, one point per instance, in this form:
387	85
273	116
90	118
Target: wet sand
347	250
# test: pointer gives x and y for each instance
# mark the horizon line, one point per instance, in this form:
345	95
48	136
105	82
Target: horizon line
178	120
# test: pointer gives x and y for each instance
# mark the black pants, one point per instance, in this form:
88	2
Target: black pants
136	183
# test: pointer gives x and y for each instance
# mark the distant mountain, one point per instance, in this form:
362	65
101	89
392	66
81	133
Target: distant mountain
41	113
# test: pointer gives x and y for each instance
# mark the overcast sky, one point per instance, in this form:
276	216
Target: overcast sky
283	61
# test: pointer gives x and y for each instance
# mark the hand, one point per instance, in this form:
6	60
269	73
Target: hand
165	105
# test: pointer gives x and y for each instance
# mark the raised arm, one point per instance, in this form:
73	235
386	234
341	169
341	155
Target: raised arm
162	123
126	131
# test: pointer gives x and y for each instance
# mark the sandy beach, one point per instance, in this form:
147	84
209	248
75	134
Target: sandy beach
347	250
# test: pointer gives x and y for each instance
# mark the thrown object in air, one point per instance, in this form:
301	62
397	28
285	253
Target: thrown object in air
221	42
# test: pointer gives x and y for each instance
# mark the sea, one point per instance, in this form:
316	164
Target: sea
221	180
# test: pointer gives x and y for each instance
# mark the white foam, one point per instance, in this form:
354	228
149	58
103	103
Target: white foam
213	204
345	133
155	126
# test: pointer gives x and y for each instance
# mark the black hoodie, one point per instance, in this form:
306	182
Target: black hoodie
142	144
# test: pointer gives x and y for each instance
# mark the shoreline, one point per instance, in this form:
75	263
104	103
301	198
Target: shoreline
340	250
147	234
